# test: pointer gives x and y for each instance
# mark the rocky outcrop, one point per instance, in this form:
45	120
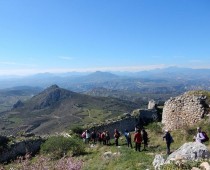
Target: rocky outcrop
158	161
184	110
190	151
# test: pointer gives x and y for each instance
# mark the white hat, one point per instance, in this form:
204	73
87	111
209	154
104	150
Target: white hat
166	130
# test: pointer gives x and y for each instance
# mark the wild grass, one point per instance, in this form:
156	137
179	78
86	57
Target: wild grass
124	158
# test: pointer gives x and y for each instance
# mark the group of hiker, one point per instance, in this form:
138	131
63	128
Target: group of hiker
200	137
140	136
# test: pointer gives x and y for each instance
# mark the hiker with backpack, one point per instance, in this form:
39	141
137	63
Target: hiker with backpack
138	140
83	136
201	136
169	140
93	136
128	138
99	137
145	138
116	136
103	137
87	136
107	138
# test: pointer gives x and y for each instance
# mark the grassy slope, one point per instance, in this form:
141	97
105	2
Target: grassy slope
129	159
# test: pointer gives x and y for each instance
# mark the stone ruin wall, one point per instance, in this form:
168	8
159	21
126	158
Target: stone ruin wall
121	125
182	111
128	123
31	146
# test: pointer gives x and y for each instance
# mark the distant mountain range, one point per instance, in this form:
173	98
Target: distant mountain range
56	109
158	84
169	78
80	98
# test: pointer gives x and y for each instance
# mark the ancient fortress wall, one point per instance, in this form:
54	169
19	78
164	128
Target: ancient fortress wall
184	110
126	123
31	146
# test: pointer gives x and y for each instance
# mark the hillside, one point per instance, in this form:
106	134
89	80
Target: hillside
10	96
100	156
56	109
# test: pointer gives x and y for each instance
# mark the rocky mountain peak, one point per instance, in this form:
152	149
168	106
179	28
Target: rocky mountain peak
50	96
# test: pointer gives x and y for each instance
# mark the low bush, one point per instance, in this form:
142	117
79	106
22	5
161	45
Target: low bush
58	146
155	127
181	165
77	130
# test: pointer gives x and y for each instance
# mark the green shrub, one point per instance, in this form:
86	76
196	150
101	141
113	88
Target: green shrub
77	130
155	127
58	146
180	165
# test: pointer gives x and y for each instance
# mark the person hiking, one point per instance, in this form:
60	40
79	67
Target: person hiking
128	138
87	136
145	138
99	137
199	137
83	136
107	136
116	136
138	140
93	136
103	137
168	139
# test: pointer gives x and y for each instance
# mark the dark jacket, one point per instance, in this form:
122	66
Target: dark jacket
168	137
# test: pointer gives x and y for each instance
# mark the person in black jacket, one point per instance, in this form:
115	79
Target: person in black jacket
145	138
168	139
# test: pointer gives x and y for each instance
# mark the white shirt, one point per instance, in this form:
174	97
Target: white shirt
199	137
87	135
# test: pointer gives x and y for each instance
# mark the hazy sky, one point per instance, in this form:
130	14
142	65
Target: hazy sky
107	35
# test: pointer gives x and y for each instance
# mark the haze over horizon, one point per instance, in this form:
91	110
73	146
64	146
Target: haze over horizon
80	35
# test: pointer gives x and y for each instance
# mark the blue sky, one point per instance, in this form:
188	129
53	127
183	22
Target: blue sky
108	35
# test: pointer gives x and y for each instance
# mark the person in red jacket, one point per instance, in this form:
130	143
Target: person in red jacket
116	136
138	140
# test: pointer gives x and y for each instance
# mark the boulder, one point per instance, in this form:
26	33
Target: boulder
158	161
110	155
107	155
205	165
190	151
195	168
